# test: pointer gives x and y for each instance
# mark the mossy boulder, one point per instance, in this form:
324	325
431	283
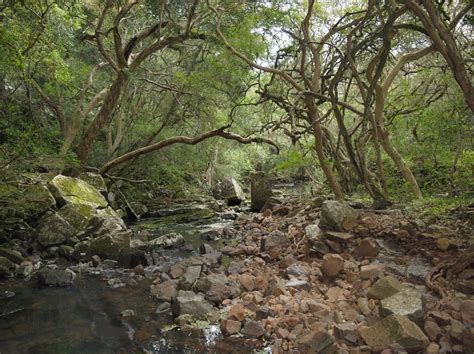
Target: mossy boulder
70	190
24	201
54	230
110	246
12	255
78	215
95	180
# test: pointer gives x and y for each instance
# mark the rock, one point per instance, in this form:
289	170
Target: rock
338	236
298	284
371	271
408	302
337	216
442	243
69	190
316	342
332	265
347	331
95	180
276	287
206	249
211	235
381	204
170	240
467	312
229	327
104	222
132	257
77	215
25	270
136	210
230	190
115	283
468	340
165	291
247	281
237	312
253	329
394	329
110	246
189	303
275	243
432	330
6	267
12	255
298	270
54	230
315	237
433	348
56	277
128	313
190	276
363	305
260	190
384	287
456	331
66	251
367	248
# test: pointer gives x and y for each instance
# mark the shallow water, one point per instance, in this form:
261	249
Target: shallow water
86	318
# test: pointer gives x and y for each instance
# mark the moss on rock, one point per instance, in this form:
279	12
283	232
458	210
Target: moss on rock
71	190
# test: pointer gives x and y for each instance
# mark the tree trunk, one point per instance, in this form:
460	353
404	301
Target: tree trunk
104	116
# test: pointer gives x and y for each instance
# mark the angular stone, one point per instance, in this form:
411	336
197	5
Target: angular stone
433	348
12	255
371	271
432	330
229	327
315	342
190	276
110	246
347	331
260	190
298	284
165	291
71	190
467	312
275	243
408	302
247	281
276	287
367	248
394	329
189	303
332	265
298	270
237	312
457	329
253	329
315	237
338	236
384	287
337	216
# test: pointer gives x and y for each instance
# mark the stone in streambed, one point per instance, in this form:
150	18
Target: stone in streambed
333	264
172	239
253	329
190	303
394	329
54	230
384	287
190	276
337	216
408	302
69	190
367	248
229	327
12	255
56	277
165	291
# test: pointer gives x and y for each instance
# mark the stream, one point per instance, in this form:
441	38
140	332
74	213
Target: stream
93	317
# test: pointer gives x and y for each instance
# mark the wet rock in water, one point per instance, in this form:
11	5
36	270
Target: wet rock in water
12	255
332	265
115	283
315	237
69	190
165	291
275	243
110	246
394	329
132	257
253	329
211	235
260	190
170	240
54	230
190	276
367	248
408	302
56	277
317	342
384	287
229	327
337	216
190	303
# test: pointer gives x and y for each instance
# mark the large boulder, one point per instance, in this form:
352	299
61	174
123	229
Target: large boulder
337	216
407	302
70	190
260	190
95	180
104	222
56	277
110	246
54	230
77	215
230	190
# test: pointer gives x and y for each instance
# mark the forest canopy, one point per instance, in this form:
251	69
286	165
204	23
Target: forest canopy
354	96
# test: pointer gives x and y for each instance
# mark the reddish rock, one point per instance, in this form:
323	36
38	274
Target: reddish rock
332	265
237	312
283	332
139	269
432	330
319	341
229	327
367	248
165	291
247	281
261	283
372	271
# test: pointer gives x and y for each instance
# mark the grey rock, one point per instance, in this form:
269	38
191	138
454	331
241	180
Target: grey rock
190	276
56	277
298	284
316	239
190	303
337	216
384	287
260	190
170	240
408	302
54	230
